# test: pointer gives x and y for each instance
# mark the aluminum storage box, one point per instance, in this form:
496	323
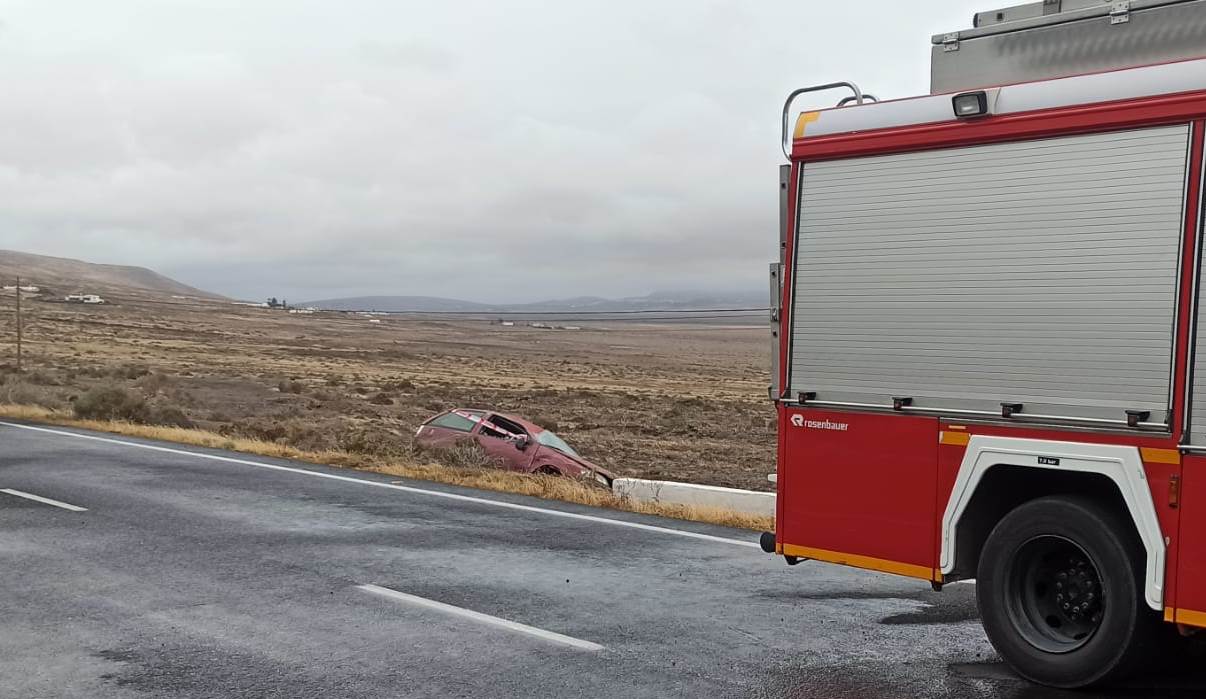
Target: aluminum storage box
1054	39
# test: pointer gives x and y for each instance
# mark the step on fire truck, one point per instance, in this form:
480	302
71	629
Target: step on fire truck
990	356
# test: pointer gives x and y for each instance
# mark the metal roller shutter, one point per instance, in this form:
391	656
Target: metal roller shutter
1039	272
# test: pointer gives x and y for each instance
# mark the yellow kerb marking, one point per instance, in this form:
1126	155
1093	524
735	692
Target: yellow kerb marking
1191	618
1160	456
805	119
866	562
956	438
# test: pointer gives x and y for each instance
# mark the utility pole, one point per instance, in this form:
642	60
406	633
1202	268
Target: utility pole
18	325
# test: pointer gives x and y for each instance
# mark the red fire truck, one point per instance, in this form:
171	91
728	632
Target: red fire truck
990	354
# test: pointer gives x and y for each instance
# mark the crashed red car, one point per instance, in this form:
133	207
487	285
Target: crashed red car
517	444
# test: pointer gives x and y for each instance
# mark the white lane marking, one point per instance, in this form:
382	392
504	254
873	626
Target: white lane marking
391	486
482	618
39	498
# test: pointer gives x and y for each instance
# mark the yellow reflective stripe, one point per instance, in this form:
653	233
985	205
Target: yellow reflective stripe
805	119
866	562
1191	618
1160	456
956	438
1170	614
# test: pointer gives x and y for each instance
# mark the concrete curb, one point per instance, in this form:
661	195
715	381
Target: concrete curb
746	501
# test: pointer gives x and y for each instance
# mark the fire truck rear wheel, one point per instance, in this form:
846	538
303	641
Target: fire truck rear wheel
1060	590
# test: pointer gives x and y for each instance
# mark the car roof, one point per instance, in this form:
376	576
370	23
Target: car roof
522	422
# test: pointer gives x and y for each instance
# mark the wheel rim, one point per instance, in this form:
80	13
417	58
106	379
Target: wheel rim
1054	593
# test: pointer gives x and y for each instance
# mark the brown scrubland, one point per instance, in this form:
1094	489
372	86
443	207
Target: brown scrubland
664	401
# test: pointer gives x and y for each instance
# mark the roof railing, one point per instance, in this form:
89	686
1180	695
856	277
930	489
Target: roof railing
858	97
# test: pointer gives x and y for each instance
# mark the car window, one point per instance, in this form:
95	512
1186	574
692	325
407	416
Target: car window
453	421
488	430
502	428
507	427
549	439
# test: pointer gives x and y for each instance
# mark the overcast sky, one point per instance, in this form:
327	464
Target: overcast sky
490	150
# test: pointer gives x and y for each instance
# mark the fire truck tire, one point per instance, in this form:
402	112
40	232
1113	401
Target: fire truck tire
1060	591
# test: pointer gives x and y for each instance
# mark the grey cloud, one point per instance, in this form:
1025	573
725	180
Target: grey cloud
479	149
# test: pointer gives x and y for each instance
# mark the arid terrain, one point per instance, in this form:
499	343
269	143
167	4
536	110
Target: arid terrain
673	401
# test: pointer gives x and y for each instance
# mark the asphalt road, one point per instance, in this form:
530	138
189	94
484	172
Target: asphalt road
200	573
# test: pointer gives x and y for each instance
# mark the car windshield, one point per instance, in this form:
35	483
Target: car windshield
549	439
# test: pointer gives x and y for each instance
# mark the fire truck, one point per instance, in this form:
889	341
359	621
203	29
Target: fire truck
990	360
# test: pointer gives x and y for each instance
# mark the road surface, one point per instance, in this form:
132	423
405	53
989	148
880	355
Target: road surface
131	568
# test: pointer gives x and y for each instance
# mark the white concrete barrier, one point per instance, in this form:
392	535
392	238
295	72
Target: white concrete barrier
748	501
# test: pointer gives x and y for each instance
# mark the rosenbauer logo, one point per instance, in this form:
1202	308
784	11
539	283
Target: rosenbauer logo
799	421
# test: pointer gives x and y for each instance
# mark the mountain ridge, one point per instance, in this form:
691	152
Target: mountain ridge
669	301
71	275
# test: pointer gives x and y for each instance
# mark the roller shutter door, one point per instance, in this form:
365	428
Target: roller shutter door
1038	272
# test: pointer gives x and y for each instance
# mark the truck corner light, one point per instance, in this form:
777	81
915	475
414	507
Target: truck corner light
970	104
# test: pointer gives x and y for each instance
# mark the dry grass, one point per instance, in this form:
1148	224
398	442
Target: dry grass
548	487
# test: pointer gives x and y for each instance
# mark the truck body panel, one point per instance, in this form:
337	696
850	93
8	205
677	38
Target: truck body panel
1107	245
874	501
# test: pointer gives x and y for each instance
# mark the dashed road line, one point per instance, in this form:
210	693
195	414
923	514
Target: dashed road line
45	501
480	618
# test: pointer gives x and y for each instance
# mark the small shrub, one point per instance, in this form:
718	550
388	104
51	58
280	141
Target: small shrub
171	416
128	371
111	403
546	422
269	433
291	386
91	371
153	383
381	399
14	389
309	436
371	443
460	455
41	378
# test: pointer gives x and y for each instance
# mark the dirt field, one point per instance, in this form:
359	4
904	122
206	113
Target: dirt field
681	402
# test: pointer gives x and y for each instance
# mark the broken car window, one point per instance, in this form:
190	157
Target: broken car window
549	439
453	421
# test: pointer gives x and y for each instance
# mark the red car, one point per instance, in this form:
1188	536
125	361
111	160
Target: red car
517	444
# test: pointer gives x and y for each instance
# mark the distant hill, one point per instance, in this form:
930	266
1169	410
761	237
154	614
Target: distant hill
76	275
677	301
392	304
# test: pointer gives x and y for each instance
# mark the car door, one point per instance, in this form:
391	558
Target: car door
507	442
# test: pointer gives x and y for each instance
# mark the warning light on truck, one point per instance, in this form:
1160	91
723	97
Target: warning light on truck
971	104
